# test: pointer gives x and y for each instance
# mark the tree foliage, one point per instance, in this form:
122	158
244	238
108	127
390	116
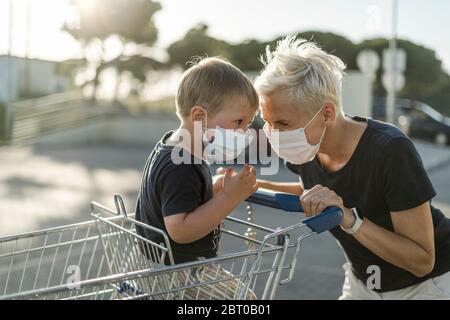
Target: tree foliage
131	22
426	80
197	43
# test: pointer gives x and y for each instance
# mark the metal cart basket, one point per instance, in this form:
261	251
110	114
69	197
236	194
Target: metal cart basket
106	258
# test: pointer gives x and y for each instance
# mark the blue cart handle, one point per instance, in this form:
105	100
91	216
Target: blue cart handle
326	220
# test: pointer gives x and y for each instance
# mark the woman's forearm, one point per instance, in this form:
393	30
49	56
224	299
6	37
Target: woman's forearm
395	249
287	187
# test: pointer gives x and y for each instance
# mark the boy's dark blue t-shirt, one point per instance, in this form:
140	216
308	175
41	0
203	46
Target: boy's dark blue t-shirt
167	189
385	174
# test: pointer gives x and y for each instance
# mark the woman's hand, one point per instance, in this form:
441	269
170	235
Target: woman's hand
318	198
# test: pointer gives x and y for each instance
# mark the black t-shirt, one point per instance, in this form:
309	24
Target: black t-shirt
168	188
384	174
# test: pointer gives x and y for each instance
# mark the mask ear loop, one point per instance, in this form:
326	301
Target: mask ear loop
309	122
323	133
207	141
210	140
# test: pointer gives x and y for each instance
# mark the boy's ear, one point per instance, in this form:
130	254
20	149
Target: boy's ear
198	113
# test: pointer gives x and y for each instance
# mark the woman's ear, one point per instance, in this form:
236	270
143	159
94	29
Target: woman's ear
329	112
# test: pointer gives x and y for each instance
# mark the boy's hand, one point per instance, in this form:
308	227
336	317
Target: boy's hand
241	185
218	179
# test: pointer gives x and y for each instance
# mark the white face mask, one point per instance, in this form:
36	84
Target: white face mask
223	145
293	146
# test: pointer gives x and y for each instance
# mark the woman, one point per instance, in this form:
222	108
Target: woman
396	244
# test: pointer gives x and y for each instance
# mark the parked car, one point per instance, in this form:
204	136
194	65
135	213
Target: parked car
417	119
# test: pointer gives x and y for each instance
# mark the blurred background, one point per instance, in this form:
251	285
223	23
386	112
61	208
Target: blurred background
87	88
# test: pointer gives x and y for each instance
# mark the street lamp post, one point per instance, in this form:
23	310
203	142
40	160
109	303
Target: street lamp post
8	112
10	71
27	49
390	105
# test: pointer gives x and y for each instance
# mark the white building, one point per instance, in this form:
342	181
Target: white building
21	77
357	94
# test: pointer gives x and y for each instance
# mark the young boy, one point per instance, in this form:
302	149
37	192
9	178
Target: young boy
182	199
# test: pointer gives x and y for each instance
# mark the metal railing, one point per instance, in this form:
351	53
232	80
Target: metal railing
30	119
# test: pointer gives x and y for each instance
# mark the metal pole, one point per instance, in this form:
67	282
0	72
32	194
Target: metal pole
390	105
27	49
8	111
10	28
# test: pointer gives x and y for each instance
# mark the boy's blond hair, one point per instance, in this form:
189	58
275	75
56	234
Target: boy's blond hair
209	82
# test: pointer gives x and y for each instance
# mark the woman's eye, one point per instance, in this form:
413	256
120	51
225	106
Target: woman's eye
239	122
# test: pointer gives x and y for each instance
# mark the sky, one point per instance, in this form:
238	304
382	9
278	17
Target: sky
426	22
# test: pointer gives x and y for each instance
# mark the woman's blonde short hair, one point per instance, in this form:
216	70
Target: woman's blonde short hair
308	75
211	81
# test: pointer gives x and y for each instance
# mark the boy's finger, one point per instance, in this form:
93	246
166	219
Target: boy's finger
221	170
244	171
229	173
250	179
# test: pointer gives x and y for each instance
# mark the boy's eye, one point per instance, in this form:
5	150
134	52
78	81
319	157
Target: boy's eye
239	122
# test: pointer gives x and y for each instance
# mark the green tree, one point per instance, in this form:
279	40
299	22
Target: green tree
129	22
425	78
335	44
197	42
246	55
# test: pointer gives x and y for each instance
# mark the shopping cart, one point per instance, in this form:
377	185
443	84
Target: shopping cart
107	259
